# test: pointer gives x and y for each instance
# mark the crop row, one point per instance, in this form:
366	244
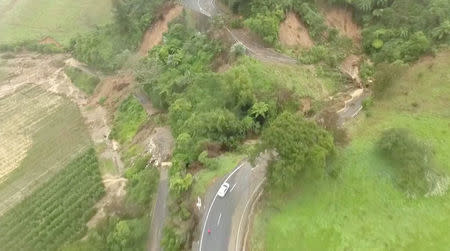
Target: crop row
56	212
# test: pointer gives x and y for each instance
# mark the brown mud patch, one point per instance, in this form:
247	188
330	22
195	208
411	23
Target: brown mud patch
342	20
153	36
294	33
50	40
350	67
112	90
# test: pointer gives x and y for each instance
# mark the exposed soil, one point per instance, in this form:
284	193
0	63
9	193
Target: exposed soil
342	20
160	145
112	90
115	195
50	40
293	32
154	34
350	67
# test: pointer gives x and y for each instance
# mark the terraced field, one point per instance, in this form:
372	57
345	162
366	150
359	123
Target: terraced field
40	133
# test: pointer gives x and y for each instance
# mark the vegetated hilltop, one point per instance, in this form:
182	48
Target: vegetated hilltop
376	194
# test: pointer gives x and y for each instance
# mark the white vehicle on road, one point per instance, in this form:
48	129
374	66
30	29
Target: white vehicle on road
223	190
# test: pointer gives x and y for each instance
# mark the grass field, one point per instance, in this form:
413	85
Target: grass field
303	79
57	212
61	20
40	133
363	209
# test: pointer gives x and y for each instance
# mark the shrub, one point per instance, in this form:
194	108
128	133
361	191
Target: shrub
127	120
411	158
266	24
300	144
83	80
385	75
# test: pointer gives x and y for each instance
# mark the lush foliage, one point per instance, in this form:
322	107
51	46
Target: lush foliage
402	29
300	145
142	181
114	234
266	23
108	46
57	212
127	120
83	80
364	200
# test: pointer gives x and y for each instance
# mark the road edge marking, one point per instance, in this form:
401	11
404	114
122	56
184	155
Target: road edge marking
245	209
212	203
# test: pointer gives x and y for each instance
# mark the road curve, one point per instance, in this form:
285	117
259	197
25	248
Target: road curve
258	51
223	216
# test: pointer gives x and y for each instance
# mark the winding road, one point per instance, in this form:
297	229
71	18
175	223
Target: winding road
225	217
255	49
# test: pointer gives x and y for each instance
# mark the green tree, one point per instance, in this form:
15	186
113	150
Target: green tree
300	144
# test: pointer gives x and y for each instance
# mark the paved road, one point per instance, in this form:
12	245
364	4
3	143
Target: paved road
159	212
255	49
224	216
352	106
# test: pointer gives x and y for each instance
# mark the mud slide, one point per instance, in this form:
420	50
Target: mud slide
153	36
293	32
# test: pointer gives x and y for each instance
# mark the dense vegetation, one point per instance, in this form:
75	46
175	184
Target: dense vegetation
83	80
109	46
367	197
127	230
127	120
57	212
300	144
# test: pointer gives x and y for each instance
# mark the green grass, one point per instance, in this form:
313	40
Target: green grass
57	212
304	80
62	20
205	177
83	80
364	209
128	119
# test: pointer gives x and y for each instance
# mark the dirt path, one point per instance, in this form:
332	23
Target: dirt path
154	34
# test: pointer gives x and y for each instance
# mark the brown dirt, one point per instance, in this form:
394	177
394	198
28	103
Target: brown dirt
115	194
113	89
293	32
50	40
350	66
342	20
153	36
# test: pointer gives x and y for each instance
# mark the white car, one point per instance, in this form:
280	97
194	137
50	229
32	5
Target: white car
223	189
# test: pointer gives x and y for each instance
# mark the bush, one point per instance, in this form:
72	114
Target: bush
385	75
142	182
411	158
300	144
127	120
266	24
83	80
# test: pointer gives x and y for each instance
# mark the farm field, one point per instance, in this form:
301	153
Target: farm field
61	20
364	209
41	132
57	212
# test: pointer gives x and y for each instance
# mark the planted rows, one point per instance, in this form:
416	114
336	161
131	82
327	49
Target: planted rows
57	212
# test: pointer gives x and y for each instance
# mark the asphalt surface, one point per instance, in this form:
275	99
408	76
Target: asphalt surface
255	49
352	107
159	212
224	216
